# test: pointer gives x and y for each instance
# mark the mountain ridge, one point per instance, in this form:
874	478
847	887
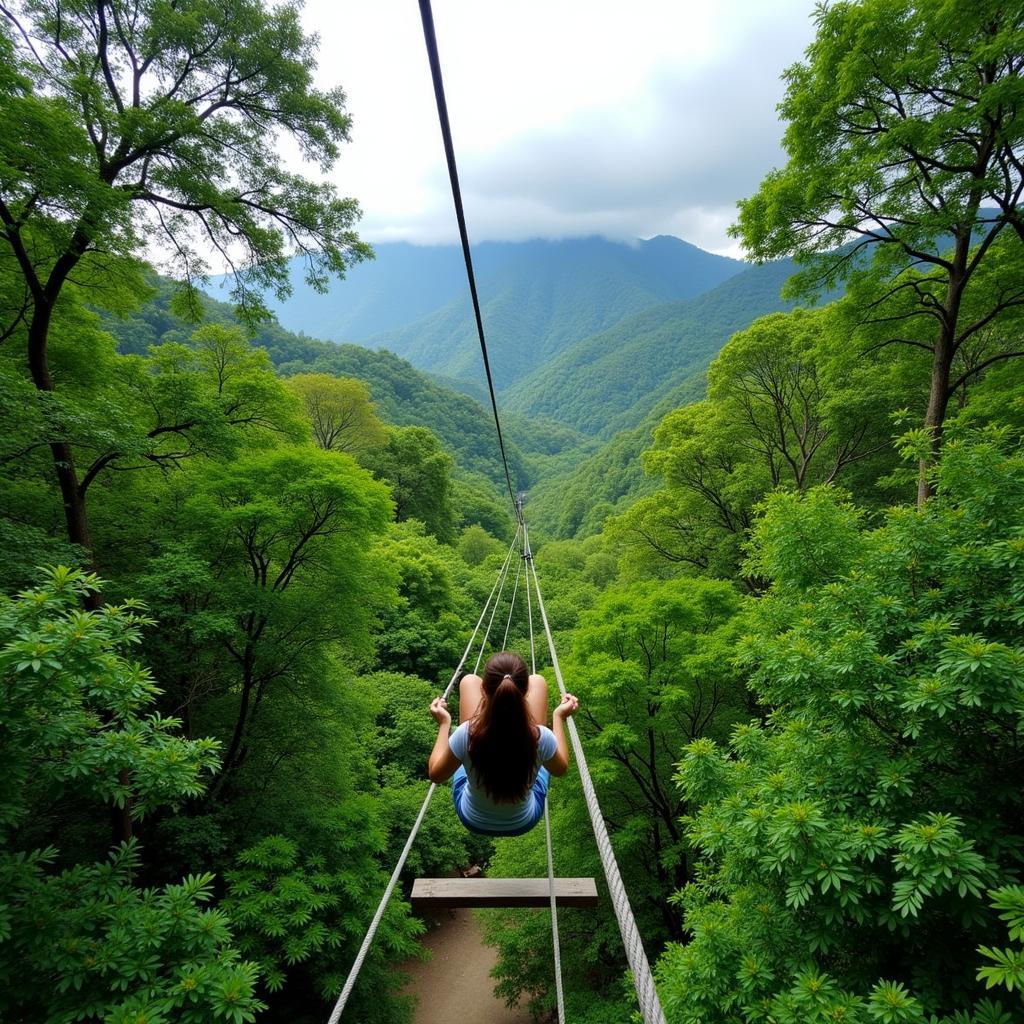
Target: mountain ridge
538	297
548	296
610	381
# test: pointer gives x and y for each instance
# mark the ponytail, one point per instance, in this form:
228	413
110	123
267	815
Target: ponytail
503	738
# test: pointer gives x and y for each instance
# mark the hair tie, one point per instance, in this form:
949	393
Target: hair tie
506	676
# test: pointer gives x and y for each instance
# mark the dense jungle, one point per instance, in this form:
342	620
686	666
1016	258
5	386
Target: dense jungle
252	501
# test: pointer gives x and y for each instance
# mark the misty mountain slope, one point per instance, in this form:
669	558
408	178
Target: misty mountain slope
549	296
537	297
577	489
403	283
612	380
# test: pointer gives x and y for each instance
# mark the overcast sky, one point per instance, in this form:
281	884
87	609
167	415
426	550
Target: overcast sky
626	119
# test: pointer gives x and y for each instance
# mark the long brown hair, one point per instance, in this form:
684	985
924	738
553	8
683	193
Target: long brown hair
503	737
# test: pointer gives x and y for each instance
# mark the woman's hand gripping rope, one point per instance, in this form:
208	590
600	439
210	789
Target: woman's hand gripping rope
569	706
439	711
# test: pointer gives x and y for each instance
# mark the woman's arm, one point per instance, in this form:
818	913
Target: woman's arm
443	764
559	763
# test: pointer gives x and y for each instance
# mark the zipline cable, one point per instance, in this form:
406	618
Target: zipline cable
643	980
512	605
555	944
497	601
449	152
357	965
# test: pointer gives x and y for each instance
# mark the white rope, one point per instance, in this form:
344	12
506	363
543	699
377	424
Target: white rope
497	601
556	946
527	555
643	981
357	965
512	605
559	997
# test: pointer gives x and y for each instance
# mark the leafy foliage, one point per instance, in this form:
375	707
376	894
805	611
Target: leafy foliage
402	395
1007	967
476	544
788	406
418	471
117	952
85	942
905	145
653	660
847	833
168	122
289	910
76	711
340	412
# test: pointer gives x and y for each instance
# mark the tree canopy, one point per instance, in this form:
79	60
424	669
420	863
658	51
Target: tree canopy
904	173
793	620
129	123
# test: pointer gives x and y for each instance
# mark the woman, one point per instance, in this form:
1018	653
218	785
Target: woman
502	754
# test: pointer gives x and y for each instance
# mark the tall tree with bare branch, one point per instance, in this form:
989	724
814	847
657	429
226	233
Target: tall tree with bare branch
905	145
132	126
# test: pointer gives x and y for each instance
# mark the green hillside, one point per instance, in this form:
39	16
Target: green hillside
537	298
404	395
613	380
576	491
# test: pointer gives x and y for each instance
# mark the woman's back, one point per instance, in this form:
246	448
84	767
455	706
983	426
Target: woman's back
478	809
501	756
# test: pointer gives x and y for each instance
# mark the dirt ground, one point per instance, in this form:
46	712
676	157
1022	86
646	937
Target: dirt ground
455	984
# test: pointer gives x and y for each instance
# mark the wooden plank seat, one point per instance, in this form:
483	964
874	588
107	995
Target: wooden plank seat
447	893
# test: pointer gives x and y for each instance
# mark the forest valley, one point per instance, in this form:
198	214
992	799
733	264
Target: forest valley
238	563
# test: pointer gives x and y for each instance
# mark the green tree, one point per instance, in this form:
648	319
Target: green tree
266	564
84	941
779	382
134	120
292	912
418	469
477	501
653	661
340	411
126	415
476	544
789	406
848	844
198	398
422	633
305	839
905	136
698	519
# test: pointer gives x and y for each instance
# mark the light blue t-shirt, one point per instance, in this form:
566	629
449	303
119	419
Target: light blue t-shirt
477	807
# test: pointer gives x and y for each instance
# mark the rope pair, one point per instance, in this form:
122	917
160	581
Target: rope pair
643	980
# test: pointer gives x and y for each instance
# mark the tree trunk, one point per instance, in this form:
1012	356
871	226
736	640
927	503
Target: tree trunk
75	516
230	758
943	353
938	401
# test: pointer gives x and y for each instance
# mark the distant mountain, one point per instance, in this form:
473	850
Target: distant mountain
538	297
404	283
614	379
547	296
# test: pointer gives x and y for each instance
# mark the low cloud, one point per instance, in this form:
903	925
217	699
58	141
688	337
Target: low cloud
572	119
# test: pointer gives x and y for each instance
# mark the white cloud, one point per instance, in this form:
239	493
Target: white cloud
568	117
